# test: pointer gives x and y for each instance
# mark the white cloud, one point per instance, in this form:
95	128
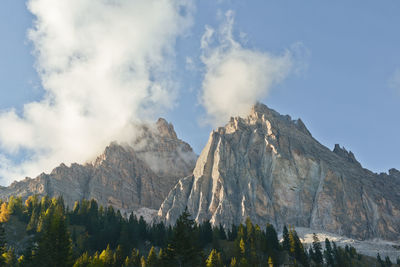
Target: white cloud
103	64
236	77
394	81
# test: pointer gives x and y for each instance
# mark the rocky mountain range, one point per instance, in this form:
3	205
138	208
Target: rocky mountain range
269	167
126	176
265	166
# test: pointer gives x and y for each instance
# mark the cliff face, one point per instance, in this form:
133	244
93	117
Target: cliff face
128	177
269	168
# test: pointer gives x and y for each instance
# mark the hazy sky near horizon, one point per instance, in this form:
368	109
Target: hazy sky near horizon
68	68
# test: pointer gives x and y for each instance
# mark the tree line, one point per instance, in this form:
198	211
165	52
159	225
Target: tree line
92	235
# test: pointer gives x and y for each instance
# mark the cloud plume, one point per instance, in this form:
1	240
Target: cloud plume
102	65
236	77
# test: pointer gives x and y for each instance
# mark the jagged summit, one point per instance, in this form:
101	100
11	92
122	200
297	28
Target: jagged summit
166	129
347	155
268	167
126	176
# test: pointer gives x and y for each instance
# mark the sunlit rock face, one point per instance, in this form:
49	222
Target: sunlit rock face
128	177
268	167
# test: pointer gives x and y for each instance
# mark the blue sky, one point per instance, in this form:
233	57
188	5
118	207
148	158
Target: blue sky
344	81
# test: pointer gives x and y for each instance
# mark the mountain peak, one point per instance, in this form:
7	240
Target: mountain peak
347	155
268	167
166	129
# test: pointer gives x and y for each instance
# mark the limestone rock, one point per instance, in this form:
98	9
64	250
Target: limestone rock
128	177
268	167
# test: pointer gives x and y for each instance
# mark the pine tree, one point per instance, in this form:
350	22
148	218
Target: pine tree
4	213
54	245
233	262
3	243
183	250
107	257
83	261
10	258
152	258
134	259
317	257
214	259
328	253
142	262
272	242
286	239
380	261
222	234
388	262
242	247
118	257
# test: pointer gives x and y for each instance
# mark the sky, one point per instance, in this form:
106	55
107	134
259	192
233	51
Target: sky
75	74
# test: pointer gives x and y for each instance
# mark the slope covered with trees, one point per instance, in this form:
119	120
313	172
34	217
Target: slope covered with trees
91	235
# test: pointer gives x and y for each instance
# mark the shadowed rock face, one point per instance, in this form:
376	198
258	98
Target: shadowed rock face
269	168
126	177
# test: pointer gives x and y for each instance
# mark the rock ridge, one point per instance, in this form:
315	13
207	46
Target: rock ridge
268	167
125	176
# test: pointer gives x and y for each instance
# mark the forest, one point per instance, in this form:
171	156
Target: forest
41	231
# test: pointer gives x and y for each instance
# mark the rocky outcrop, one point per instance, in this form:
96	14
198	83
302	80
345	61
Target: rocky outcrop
128	177
268	167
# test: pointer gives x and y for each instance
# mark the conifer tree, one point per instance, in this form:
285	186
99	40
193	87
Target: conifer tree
242	247
233	262
317	256
380	261
286	239
10	258
222	234
214	259
54	245
118	257
328	253
3	241
152	258
83	261
142	262
107	257
183	250
4	213
388	262
272	242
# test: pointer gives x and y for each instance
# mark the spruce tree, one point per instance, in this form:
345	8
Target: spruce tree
152	258
107	257
286	239
328	253
118	256
184	250
380	261
388	262
214	259
54	244
233	262
317	256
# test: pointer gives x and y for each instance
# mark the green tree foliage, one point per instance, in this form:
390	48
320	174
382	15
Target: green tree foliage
102	236
152	260
214	259
286	239
3	244
328	253
54	244
388	262
317	249
183	249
